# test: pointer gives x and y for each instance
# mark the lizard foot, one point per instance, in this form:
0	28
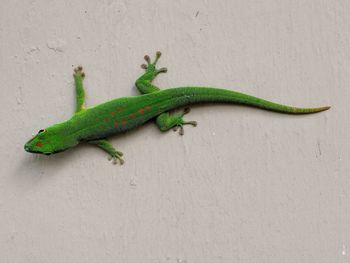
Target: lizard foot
78	71
151	66
117	156
181	122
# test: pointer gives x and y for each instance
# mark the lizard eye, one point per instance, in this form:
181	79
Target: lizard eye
42	130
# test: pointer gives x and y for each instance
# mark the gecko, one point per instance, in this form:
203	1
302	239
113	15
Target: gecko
93	125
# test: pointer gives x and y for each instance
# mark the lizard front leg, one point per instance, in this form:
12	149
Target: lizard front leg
79	76
108	147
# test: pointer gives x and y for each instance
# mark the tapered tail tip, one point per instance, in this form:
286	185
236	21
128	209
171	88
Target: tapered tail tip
321	109
325	108
309	110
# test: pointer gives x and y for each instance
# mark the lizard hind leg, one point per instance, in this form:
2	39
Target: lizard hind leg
151	66
144	82
166	121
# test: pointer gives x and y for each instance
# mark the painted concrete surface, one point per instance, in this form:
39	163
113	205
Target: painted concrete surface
244	186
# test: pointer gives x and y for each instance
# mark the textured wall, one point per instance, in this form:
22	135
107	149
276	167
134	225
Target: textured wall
244	186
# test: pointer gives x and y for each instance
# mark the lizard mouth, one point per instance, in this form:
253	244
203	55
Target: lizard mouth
38	152
27	148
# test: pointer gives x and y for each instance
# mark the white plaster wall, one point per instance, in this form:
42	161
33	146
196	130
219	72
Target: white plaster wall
244	186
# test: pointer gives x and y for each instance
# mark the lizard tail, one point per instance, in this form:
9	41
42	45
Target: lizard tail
189	95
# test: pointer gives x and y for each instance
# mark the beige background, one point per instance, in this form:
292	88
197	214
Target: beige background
244	186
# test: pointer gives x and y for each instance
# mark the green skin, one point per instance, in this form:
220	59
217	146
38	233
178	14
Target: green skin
94	125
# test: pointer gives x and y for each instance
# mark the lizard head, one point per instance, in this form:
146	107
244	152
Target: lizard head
51	140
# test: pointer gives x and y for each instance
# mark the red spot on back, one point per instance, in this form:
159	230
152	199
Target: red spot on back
112	113
116	123
39	144
133	115
120	109
141	111
148	108
123	121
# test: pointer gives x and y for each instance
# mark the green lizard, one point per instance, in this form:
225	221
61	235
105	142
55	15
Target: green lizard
94	125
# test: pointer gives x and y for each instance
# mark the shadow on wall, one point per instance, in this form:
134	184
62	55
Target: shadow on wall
35	168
